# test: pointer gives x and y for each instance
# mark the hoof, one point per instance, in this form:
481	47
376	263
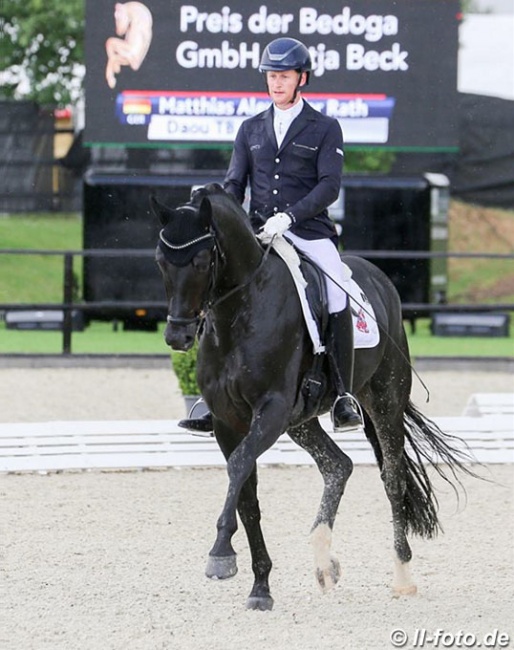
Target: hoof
407	590
260	603
329	576
221	568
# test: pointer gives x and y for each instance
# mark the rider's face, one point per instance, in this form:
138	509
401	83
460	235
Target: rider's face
282	86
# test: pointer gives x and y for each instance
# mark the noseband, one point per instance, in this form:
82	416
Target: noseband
183	322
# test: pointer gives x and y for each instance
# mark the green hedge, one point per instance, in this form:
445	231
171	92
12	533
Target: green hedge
184	365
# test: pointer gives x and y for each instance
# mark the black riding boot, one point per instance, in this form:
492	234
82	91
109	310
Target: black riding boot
340	348
202	423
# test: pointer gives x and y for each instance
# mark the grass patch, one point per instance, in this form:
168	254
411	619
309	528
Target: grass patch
98	338
474	229
423	344
102	338
37	278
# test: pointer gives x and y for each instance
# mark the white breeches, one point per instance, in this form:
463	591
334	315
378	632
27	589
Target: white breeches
337	274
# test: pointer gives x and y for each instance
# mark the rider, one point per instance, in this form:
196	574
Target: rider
292	157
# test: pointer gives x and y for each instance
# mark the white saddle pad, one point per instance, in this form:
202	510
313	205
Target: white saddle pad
365	334
365	327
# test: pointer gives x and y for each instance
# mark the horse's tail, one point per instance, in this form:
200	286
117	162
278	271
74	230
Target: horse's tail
430	447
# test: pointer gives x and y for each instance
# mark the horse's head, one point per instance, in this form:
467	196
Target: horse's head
184	254
212	226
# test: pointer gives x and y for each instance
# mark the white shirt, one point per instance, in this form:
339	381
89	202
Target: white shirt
282	119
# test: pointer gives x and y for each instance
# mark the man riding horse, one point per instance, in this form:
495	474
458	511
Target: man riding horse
292	157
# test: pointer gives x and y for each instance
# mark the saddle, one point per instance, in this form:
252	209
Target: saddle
315	380
315	291
311	288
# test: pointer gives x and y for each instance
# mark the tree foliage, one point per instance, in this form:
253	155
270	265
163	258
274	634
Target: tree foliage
42	50
370	160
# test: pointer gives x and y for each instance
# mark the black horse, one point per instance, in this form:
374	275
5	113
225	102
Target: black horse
254	355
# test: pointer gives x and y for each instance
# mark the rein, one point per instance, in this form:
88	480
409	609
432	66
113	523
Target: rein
239	287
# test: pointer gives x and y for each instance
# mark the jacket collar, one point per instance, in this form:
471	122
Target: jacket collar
297	125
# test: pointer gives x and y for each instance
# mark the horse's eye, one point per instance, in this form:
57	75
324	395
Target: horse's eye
201	267
202	262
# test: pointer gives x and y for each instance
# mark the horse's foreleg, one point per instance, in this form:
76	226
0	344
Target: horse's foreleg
242	494
335	467
250	513
222	562
219	567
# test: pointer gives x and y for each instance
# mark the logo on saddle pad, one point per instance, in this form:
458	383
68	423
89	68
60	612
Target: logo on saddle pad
361	323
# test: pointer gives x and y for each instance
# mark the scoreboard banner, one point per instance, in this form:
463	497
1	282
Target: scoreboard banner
163	73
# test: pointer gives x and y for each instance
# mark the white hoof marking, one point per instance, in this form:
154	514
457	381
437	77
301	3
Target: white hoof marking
402	580
327	568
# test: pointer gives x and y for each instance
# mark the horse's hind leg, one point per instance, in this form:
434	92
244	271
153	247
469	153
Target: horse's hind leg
388	443
335	467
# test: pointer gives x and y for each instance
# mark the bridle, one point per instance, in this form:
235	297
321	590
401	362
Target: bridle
179	320
215	262
181	247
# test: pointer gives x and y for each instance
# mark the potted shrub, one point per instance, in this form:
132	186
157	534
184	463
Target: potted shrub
184	366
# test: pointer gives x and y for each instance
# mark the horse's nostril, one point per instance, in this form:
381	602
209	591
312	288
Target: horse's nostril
179	338
189	342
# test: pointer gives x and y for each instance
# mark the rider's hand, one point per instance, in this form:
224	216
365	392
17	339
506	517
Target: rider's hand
275	225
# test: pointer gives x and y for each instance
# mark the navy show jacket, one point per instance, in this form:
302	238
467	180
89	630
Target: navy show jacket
301	177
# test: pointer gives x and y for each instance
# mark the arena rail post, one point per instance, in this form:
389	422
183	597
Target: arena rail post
67	324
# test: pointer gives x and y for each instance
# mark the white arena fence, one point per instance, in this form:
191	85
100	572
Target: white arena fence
486	428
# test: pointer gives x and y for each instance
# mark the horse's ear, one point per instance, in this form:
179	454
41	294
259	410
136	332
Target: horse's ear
214	188
205	213
160	210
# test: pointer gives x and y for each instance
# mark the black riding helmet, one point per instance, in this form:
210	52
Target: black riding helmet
286	54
